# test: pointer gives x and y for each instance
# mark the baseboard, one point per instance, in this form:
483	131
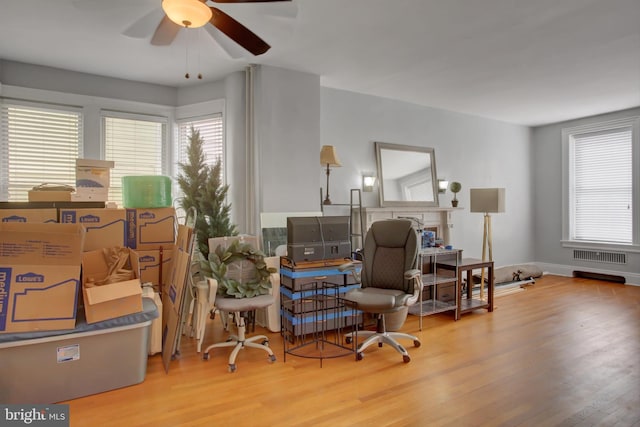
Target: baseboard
567	270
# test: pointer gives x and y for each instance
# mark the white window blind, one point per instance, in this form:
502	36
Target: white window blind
38	144
603	186
136	146
212	133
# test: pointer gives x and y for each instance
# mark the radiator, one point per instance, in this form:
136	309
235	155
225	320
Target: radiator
600	256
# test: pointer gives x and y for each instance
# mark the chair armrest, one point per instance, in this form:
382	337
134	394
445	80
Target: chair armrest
415	275
351	267
412	274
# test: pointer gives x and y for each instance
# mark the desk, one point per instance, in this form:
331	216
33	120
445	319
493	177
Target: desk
465	305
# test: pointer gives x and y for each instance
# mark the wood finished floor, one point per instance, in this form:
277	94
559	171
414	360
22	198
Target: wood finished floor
565	352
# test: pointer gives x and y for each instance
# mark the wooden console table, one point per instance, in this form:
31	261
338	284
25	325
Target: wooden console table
465	305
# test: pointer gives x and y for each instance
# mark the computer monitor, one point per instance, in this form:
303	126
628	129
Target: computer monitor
318	237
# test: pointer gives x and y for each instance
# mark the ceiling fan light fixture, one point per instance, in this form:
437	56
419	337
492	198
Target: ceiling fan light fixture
187	13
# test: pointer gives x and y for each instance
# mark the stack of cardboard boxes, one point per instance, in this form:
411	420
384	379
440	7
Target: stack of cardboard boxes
34	255
42	252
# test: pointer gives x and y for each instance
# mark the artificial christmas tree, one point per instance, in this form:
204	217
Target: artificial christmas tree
204	191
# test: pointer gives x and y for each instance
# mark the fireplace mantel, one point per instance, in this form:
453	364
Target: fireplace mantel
439	219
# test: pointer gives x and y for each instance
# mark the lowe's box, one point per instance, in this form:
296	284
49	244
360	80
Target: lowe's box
105	227
118	296
155	266
151	228
39	276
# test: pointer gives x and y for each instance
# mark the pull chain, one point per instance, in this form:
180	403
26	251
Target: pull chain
186	58
199	68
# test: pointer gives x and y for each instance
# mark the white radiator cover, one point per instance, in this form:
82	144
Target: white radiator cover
600	256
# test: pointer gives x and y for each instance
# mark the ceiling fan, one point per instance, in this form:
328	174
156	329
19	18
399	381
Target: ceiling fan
179	14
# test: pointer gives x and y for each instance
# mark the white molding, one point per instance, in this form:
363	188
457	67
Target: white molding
567	270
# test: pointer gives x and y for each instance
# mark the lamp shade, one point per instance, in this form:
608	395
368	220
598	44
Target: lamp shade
328	156
488	200
187	13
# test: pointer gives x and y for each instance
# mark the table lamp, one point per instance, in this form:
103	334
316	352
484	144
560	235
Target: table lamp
329	158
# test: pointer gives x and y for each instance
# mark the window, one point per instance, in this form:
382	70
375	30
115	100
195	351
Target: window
211	132
38	144
602	192
136	144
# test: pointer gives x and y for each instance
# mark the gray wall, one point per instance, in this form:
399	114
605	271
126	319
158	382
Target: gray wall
474	151
55	79
547	181
288	138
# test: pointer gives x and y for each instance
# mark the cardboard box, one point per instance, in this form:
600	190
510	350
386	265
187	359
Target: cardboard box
29	215
49	196
87	194
172	304
149	262
106	228
92	173
174	289
112	300
151	228
39	276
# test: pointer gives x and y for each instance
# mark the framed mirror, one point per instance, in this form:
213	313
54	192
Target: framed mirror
407	175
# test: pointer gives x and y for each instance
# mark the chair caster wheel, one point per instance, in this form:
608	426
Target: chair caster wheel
379	344
359	356
265	343
272	358
348	340
232	367
205	356
416	343
406	359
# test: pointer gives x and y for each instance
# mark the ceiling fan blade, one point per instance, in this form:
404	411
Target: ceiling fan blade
233	49
238	32
144	26
165	33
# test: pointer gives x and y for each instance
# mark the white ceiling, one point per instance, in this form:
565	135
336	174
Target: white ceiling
528	62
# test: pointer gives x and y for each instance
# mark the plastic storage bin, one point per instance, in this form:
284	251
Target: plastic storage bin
152	191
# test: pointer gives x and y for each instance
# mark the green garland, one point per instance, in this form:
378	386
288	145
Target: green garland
221	258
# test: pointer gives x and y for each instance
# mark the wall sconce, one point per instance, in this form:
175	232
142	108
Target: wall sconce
368	181
443	184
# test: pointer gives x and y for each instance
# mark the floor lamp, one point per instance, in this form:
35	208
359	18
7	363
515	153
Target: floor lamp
487	201
328	158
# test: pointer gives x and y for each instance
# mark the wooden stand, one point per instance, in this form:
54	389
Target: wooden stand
465	269
486	243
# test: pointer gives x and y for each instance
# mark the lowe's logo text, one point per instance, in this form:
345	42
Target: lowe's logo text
147	215
30	278
14	218
147	258
90	219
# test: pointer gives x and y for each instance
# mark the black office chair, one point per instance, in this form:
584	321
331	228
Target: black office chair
389	281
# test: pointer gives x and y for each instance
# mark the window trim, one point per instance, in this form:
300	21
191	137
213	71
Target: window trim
567	133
